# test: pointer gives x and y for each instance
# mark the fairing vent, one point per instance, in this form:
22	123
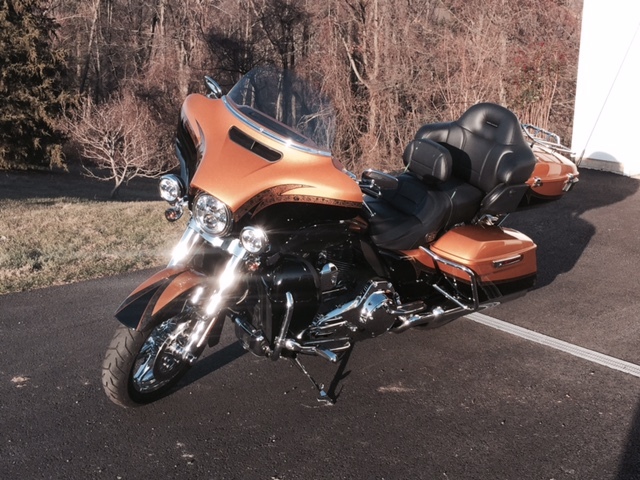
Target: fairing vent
245	141
187	152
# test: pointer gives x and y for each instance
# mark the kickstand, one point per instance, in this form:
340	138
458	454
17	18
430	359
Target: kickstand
323	397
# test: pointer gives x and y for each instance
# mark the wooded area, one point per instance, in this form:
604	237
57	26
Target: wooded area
389	65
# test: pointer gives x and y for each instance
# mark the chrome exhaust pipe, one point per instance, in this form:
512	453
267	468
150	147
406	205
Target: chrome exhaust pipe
436	315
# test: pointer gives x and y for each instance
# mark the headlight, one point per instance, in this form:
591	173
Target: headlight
212	215
253	239
171	188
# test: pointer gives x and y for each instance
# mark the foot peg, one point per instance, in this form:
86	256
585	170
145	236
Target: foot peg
294	346
282	342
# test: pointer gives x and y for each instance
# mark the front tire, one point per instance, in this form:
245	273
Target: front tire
138	367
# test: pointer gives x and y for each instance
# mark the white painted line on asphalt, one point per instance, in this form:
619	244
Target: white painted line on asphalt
595	357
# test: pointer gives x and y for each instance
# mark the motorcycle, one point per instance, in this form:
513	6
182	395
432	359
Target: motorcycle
302	257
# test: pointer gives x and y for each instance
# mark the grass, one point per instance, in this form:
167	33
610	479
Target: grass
54	241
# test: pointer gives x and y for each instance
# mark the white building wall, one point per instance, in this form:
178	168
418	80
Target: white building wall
606	124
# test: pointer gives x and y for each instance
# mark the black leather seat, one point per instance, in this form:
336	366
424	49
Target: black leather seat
403	218
491	160
456	171
416	210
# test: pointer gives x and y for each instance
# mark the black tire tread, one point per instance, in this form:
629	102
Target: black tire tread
117	364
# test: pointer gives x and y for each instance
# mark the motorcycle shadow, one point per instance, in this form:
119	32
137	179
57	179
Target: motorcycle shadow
341	373
209	364
630	460
560	229
232	352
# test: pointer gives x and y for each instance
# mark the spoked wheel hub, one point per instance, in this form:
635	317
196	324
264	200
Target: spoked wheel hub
157	363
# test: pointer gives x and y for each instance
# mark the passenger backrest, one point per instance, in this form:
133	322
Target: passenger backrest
428	160
489	152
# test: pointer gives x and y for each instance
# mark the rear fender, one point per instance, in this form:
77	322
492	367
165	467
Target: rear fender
155	294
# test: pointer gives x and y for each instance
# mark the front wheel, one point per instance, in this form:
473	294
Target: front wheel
139	367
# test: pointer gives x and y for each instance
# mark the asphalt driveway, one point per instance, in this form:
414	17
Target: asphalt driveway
461	402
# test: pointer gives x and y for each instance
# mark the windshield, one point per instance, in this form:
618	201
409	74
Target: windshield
289	107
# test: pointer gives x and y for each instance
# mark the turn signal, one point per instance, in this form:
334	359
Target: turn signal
173	214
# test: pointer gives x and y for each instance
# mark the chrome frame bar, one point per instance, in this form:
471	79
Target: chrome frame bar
281	339
472	276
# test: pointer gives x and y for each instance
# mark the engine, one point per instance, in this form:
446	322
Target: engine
368	315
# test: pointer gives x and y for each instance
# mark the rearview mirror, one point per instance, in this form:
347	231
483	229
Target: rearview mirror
214	88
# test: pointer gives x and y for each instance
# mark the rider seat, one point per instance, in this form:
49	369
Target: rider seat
416	209
490	163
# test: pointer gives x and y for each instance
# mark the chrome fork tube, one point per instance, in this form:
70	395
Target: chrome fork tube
183	250
218	293
226	281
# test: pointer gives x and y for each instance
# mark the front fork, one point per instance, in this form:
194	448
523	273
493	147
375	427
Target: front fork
212	297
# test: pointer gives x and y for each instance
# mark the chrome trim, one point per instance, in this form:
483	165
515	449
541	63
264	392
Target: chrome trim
214	88
571	181
544	138
193	345
293	346
328	277
448	296
490	220
158	361
184	249
173	214
226	281
193	231
331	343
505	262
472	276
438	315
259	128
257	233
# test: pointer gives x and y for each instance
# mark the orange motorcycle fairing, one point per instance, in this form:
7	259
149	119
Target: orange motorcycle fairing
155	294
249	170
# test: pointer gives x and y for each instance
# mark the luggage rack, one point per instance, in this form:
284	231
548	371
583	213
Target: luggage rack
545	138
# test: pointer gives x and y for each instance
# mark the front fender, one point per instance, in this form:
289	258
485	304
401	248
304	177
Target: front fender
156	293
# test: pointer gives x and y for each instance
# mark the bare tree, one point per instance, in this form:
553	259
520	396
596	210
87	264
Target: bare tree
117	141
389	65
519	54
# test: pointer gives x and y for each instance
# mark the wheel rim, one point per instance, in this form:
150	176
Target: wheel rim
156	365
